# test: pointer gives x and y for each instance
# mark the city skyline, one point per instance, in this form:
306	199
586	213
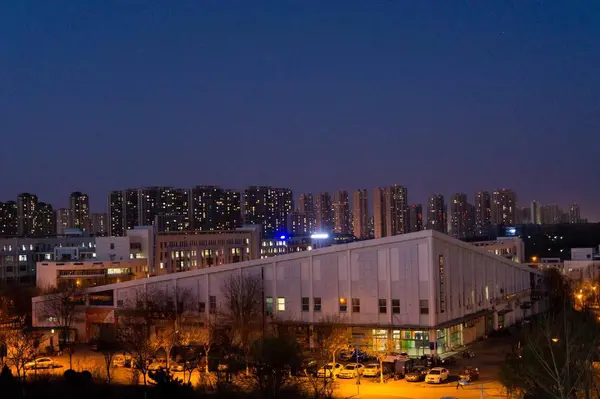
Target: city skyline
434	96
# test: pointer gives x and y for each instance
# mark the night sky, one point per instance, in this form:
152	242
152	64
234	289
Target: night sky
314	95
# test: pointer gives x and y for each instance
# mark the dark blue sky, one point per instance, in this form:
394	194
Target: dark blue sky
316	95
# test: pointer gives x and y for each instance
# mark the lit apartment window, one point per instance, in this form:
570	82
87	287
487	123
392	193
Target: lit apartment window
281	304
22	258
269	305
395	306
305	304
317	304
355	305
343	304
382	306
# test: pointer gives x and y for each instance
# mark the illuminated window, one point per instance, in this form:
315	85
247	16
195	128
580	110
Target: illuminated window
281	304
343	304
22	258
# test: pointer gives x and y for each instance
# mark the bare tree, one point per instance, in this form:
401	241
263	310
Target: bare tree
60	308
109	346
243	309
332	336
135	337
274	358
557	358
21	348
378	350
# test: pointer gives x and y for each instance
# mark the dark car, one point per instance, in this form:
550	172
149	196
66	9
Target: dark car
469	373
417	374
357	357
448	360
307	368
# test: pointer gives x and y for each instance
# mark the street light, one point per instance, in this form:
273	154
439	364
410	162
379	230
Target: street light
555	340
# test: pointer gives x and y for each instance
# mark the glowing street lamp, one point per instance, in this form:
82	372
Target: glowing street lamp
555	340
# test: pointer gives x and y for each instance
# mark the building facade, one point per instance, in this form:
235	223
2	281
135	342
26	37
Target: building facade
504	204
425	292
268	207
390	211
9	221
323	213
436	214
79	206
341	213
62	218
482	211
361	214
415	218
215	208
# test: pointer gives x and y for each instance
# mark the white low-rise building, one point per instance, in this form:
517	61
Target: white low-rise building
425	291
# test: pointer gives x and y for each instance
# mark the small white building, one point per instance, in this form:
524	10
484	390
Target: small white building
426	292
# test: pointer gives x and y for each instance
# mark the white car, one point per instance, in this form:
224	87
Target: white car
41	363
352	370
371	370
437	375
330	370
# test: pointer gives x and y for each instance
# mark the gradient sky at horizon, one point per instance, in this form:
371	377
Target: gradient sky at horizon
314	95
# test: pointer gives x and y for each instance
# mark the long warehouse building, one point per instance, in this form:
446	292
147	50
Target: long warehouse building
426	292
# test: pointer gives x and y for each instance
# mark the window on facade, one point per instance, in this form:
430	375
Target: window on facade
22	258
355	305
269	305
317	304
343	304
202	307
382	306
424	306
212	304
280	304
305	304
395	306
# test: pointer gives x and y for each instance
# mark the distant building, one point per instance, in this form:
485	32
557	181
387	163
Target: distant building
306	206
459	215
268	207
361	214
482	211
415	218
341	213
99	225
26	214
79	206
323	213
62	218
574	214
44	220
215	208
390	211
8	219
300	223
504	207
436	214
536	212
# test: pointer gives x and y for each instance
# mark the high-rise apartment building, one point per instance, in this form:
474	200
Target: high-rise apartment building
504	207
131	209
215	208
44	220
341	213
415	218
553	214
361	214
268	207
299	223
459	216
574	214
482	211
164	201
536	212
8	219
62	218
323	213
306	207
99	225
116	213
26	214
436	214
390	211
79	206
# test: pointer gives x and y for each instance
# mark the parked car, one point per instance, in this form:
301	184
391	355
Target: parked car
352	370
157	364
330	370
41	363
308	367
371	370
358	356
469	373
437	375
448	360
417	374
